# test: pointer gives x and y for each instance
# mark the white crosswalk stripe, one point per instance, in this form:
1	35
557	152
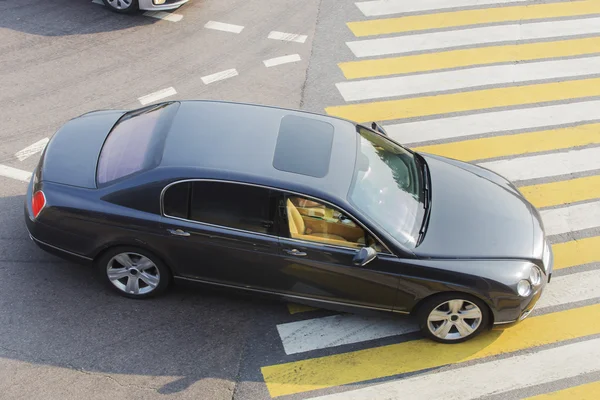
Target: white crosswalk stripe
473	36
467	78
386	7
571	218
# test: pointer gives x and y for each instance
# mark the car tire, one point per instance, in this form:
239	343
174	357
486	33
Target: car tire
453	317
122	6
133	272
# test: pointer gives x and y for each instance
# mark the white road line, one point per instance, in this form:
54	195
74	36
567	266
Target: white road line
571	218
221	26
271	62
228	73
473	36
497	121
161	94
546	165
337	330
467	78
28	151
385	7
167	16
288	37
14	173
100	2
472	382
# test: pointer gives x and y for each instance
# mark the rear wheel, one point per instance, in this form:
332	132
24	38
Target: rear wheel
453	317
122	6
133	272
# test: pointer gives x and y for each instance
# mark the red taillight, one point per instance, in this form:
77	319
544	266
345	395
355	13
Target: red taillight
38	201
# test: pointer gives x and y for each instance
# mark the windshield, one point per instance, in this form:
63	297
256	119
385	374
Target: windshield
387	186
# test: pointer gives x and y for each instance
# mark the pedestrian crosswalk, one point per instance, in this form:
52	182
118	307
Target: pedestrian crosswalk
510	85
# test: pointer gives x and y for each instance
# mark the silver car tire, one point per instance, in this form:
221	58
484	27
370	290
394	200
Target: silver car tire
133	272
453	317
122	6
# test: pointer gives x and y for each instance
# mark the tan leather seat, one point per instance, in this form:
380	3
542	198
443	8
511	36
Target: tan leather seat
298	229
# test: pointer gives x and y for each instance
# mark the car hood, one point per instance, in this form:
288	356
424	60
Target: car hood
476	213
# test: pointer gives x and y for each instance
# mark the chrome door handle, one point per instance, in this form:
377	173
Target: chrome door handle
178	232
295	252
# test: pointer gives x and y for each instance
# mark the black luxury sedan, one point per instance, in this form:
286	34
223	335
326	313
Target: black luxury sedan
309	208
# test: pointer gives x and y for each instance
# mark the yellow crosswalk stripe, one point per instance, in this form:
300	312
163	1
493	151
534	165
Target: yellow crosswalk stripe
576	252
379	362
294	308
473	17
591	391
467	101
467	57
563	192
530	142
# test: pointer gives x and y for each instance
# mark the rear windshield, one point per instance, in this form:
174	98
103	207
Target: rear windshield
135	143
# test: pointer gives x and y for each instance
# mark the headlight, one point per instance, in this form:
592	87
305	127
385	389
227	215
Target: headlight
524	288
535	276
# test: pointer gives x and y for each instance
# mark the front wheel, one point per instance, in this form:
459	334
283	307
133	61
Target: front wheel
133	272
453	318
122	6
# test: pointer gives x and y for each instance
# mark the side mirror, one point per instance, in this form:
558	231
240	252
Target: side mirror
376	127
364	256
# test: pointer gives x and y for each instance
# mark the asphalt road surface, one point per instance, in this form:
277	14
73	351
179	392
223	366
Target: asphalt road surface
512	85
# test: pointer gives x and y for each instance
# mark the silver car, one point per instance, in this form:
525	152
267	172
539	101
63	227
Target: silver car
130	6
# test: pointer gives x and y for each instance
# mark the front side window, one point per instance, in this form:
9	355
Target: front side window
387	186
316	222
230	205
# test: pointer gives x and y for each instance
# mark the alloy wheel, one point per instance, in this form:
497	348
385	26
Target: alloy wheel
133	273
120	4
454	319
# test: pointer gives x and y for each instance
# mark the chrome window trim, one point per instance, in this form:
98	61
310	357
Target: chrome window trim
162	211
293	296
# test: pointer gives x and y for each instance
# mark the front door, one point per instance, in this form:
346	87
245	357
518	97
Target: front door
318	245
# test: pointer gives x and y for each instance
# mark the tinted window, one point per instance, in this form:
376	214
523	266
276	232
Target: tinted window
176	200
233	205
133	144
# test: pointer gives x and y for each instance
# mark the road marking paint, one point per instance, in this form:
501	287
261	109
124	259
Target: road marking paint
467	78
221	26
473	381
496	121
417	355
576	252
219	76
271	62
28	151
522	143
288	37
14	173
167	16
571	218
546	165
563	192
473	36
100	2
467	57
473	17
337	330
385	7
294	308
161	94
467	101
582	392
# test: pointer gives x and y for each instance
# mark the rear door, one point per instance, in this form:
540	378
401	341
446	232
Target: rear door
222	232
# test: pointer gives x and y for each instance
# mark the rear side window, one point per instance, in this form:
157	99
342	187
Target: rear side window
224	204
134	144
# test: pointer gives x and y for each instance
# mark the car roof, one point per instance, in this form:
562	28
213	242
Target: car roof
263	145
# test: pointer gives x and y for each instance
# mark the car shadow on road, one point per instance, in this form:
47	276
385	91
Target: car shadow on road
55	313
65	17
